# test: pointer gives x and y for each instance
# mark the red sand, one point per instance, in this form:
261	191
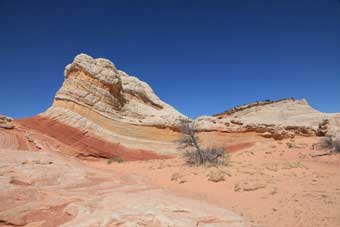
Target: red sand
238	147
268	183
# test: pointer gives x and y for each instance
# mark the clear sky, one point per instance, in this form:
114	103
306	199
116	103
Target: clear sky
200	56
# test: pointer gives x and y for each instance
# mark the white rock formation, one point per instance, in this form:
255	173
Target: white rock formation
99	98
98	85
283	118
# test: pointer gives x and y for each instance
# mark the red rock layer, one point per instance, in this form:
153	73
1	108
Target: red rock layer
84	143
14	139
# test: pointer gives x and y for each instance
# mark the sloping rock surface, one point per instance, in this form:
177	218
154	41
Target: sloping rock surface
46	188
96	97
278	119
98	85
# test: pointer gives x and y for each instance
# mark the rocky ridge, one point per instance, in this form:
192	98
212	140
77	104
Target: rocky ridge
280	119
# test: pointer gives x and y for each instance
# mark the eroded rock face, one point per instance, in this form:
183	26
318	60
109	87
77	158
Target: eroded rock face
6	122
98	85
280	119
96	97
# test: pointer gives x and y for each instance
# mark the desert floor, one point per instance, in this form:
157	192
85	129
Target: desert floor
266	183
269	183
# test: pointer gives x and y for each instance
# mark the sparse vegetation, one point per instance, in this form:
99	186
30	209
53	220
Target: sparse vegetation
178	178
198	155
216	175
208	156
332	143
175	176
115	159
290	145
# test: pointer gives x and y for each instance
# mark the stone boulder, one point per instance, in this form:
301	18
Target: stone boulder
6	122
323	128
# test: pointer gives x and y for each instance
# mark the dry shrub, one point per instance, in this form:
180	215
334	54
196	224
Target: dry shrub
115	159
216	175
198	155
211	156
332	143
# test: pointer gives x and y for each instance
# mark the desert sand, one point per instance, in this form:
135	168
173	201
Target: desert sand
44	187
268	183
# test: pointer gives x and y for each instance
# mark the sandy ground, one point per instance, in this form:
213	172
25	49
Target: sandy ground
48	188
267	182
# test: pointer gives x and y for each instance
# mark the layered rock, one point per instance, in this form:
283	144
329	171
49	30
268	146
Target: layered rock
98	85
278	119
99	98
6	122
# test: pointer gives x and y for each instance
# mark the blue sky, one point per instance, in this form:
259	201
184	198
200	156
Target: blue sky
202	57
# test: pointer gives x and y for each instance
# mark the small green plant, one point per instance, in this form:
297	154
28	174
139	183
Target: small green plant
115	159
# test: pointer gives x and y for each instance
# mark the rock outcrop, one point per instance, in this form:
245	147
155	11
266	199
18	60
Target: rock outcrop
96	97
280	119
98	85
98	102
6	122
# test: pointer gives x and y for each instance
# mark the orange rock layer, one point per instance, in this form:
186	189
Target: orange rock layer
84	143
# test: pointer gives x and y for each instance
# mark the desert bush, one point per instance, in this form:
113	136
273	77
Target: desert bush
290	145
177	177
212	156
332	143
216	175
198	155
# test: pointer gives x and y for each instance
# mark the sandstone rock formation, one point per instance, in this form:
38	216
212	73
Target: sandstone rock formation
98	98
277	119
99	104
96	84
6	122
